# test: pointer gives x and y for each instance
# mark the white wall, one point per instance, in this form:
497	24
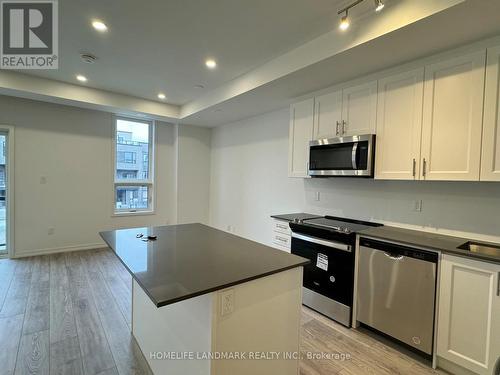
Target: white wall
71	148
249	182
193	174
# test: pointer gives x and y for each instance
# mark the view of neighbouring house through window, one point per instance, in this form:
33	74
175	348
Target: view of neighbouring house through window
133	180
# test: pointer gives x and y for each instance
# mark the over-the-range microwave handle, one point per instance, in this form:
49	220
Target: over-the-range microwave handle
353	155
332	244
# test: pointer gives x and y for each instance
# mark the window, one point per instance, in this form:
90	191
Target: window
125	156
133	183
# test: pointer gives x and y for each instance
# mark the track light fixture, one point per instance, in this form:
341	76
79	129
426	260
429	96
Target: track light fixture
344	20
379	5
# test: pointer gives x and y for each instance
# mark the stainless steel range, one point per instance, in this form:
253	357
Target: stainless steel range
329	279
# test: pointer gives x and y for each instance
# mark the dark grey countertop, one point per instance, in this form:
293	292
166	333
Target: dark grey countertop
292	217
193	259
431	241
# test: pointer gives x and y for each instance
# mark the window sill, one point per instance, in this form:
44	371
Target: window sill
132	213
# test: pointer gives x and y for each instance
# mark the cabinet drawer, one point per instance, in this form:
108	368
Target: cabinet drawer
282	248
281	227
282	240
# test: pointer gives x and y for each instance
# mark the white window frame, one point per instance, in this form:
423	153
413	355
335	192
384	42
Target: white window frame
150	182
9	197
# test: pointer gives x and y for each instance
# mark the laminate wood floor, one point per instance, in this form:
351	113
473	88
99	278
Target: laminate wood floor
70	314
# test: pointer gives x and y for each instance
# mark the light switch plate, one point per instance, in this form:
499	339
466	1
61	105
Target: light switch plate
226	302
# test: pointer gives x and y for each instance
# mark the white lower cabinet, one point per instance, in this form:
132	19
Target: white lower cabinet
469	314
281	235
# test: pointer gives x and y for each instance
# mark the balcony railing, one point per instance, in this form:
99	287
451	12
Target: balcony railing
130	143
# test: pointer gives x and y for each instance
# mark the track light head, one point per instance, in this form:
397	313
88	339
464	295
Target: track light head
379	5
344	22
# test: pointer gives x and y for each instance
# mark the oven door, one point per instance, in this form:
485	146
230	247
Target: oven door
343	156
331	271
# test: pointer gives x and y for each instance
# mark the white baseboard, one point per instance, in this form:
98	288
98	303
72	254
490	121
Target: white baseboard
452	368
54	250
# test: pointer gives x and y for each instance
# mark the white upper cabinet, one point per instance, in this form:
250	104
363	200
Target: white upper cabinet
452	118
359	109
490	162
301	132
399	126
328	115
469	318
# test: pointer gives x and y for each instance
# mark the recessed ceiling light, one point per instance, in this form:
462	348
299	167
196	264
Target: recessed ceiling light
344	22
211	63
81	78
99	25
161	96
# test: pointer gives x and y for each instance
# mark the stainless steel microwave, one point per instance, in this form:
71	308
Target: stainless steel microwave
352	156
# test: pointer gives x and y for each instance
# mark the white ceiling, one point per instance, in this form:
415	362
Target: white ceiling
161	45
459	25
269	52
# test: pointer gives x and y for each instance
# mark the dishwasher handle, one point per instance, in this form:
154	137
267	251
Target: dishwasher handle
393	257
398	252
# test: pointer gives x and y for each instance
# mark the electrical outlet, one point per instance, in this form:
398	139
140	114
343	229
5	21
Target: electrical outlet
417	205
51	231
226	302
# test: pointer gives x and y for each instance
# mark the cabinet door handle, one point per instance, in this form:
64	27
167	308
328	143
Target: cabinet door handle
414	167
337	128
344	125
424	171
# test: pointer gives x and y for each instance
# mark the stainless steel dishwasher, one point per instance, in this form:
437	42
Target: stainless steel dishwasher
396	292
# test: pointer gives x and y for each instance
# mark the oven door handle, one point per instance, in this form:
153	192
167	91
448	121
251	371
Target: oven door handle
353	155
332	244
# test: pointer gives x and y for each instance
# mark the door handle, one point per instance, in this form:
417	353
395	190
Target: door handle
414	167
424	171
337	128
393	257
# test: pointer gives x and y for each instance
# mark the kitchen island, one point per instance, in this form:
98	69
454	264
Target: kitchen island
208	302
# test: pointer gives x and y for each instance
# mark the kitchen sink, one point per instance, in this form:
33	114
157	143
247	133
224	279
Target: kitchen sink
481	248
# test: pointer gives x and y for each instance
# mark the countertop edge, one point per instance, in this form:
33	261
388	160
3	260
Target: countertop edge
225	286
202	292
